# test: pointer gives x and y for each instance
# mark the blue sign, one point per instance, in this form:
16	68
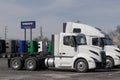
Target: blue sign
28	24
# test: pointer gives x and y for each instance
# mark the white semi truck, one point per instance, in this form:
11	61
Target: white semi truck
69	51
97	38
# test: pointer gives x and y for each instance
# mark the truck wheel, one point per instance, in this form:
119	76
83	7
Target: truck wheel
109	62
16	63
31	64
81	65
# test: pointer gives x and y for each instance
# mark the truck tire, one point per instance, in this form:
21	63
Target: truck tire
16	64
109	62
81	65
31	64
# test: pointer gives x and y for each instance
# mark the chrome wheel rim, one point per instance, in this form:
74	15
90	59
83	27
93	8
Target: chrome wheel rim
30	64
15	64
81	66
108	63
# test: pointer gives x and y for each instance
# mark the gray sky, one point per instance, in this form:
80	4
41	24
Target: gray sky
50	14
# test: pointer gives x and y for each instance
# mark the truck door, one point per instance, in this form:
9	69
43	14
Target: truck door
67	51
98	43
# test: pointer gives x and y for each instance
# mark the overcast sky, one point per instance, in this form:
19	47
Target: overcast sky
50	14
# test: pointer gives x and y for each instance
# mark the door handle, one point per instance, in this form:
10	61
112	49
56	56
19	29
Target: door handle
63	53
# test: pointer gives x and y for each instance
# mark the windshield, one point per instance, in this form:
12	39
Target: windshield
106	41
80	40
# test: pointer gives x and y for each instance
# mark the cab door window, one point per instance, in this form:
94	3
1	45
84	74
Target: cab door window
68	40
95	41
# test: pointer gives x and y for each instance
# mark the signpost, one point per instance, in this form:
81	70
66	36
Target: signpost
28	25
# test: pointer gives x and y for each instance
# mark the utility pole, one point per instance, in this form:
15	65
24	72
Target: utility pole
41	33
5	33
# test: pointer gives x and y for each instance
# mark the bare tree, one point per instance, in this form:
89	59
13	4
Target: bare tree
118	30
115	35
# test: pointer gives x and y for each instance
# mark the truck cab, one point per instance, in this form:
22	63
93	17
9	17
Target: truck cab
97	38
112	51
72	52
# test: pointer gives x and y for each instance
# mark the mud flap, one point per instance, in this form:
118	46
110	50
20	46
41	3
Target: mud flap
9	63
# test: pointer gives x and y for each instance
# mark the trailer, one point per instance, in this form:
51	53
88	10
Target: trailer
66	51
97	38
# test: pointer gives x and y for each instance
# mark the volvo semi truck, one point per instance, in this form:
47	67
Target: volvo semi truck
68	51
96	37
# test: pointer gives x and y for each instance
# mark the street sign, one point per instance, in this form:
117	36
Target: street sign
28	24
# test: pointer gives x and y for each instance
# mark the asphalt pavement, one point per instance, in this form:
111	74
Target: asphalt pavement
56	74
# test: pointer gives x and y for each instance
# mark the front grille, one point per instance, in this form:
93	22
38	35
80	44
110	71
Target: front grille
100	65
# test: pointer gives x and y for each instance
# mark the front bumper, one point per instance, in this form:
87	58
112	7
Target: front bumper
100	65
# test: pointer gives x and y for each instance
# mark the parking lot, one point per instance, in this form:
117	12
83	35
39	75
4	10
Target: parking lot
53	74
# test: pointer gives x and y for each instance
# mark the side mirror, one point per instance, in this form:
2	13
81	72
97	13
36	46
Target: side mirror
119	46
72	43
101	45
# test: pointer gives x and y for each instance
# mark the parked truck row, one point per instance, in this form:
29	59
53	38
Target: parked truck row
96	37
12	48
69	51
79	47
